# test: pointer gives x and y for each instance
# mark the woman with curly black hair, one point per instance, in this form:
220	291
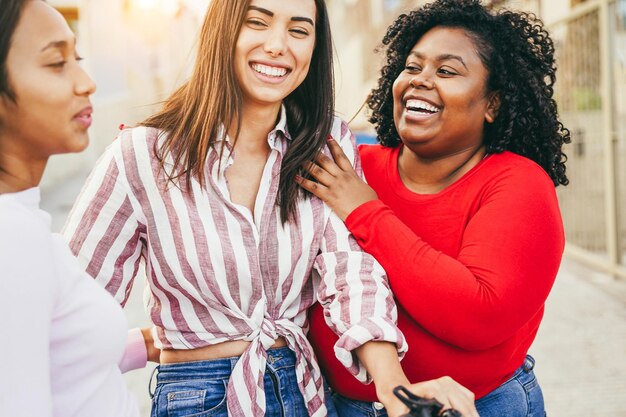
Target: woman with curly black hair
461	208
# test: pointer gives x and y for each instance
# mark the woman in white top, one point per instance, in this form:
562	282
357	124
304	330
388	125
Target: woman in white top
63	337
204	193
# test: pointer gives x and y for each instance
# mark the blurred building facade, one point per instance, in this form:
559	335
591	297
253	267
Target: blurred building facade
590	37
137	51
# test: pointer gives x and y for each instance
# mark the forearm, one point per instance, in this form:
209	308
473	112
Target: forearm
383	365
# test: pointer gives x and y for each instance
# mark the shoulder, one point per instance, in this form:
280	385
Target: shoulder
374	157
133	150
20	223
137	139
518	169
518	181
374	151
340	131
25	240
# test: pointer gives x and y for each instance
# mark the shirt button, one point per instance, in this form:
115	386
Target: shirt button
378	406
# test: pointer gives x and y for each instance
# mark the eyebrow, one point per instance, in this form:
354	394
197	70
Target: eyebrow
56	44
442	57
271	14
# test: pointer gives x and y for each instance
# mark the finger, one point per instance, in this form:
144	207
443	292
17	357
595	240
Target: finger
319	173
450	394
466	408
313	187
328	164
460	398
339	156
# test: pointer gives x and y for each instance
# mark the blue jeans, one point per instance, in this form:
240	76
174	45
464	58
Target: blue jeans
519	396
352	408
198	389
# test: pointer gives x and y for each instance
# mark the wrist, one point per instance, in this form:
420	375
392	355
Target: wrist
386	385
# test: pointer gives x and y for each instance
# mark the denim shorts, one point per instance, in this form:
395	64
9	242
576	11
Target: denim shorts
519	396
198	389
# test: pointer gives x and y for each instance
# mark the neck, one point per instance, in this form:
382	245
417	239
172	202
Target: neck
19	172
256	123
431	175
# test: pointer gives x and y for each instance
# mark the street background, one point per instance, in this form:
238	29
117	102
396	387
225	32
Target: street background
137	51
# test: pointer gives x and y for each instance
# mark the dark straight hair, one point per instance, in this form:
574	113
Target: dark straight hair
10	12
193	115
310	113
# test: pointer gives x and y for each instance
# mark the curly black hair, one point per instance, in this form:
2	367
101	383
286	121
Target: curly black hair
519	55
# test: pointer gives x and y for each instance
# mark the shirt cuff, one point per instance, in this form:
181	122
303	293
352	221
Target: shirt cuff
368	330
136	354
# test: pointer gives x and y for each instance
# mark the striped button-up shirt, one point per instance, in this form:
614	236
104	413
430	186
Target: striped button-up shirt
218	272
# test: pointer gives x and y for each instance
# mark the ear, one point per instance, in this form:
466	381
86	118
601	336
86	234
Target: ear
493	106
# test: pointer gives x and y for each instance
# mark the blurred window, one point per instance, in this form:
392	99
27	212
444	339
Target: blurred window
365	138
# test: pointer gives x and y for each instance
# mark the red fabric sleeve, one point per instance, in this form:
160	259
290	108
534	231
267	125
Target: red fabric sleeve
509	257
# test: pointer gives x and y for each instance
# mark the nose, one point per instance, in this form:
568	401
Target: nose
421	80
275	44
84	85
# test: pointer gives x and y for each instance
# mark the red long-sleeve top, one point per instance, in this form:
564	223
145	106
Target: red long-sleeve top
470	267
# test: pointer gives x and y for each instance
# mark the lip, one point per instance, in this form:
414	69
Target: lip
84	117
266	78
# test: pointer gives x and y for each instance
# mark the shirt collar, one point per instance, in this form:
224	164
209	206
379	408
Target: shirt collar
281	126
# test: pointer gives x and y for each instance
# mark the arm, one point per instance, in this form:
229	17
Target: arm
500	279
27	293
382	363
507	263
359	306
103	229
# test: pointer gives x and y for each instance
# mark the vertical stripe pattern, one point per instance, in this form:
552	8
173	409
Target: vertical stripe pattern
217	272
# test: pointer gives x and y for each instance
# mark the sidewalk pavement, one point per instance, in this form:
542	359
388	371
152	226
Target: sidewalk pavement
580	348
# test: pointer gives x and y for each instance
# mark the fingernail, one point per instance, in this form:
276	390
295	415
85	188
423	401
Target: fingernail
330	138
298	178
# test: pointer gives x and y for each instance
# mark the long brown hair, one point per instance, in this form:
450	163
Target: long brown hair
194	114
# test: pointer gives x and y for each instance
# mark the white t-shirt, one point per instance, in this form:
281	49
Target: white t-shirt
61	335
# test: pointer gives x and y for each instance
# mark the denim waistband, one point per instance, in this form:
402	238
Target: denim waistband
219	368
529	363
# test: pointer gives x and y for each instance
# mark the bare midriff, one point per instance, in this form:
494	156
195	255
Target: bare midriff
218	351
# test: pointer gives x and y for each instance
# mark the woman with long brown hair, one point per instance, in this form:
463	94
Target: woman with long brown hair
204	193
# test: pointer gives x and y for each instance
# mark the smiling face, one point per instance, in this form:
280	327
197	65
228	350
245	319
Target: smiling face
441	100
274	49
51	112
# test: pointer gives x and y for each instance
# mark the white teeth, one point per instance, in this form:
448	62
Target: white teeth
414	104
269	71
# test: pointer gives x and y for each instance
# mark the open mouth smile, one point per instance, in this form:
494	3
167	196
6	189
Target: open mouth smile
269	71
421	107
